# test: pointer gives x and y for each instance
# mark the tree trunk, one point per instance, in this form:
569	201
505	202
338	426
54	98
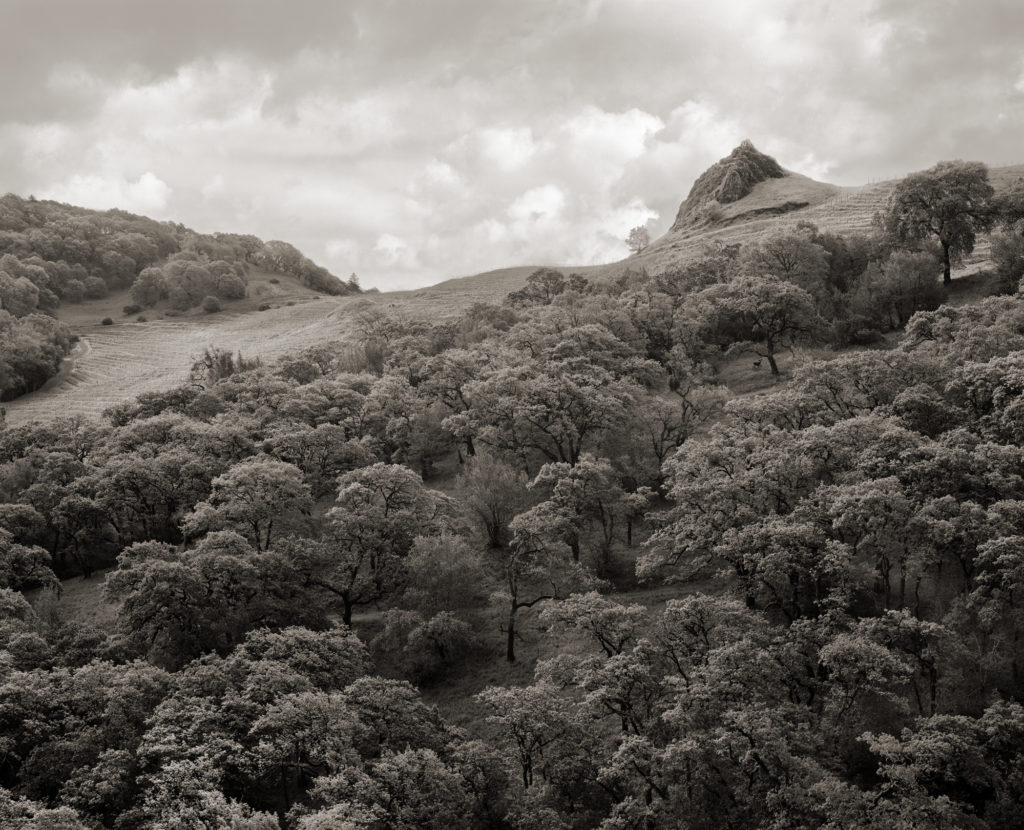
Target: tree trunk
774	366
510	648
947	276
346	611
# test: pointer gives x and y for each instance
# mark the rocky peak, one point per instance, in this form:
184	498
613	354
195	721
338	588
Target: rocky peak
728	180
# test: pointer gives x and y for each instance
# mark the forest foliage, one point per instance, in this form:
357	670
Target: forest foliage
842	643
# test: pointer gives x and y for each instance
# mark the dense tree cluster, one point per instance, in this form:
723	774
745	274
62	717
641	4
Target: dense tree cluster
842	646
74	253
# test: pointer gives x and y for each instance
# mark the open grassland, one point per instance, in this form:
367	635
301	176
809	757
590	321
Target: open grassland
115	363
489	287
112	364
81	601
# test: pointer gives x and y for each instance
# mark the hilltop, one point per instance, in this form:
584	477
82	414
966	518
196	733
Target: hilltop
742	197
726	182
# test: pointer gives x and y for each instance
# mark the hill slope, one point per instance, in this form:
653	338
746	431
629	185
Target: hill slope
762	198
113	364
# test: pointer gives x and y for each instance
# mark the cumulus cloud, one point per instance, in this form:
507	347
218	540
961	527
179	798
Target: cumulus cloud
147	195
214	187
459	136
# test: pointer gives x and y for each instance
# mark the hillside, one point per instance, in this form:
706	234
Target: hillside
302	560
769	203
111	364
65	269
751	529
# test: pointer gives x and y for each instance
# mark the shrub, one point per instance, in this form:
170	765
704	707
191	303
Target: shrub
106	321
95	288
1008	256
230	287
132	309
74	291
211	305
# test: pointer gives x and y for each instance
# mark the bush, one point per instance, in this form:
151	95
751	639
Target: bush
132	309
74	291
211	305
95	288
230	287
1008	256
106	321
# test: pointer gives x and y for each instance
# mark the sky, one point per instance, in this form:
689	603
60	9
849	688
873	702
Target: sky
410	141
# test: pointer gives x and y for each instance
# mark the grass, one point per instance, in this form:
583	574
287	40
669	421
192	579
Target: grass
770	193
80	601
112	364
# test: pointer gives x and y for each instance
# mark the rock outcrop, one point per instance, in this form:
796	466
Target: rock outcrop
728	180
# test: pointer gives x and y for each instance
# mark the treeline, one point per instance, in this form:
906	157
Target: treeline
844	648
86	253
52	253
32	343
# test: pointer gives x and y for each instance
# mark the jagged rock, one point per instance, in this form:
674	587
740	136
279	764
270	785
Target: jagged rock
728	180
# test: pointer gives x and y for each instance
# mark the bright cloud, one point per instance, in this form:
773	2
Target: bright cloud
147	194
457	136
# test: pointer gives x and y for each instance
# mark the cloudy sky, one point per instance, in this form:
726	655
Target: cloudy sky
415	140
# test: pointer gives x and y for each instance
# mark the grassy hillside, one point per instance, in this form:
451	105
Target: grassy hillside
112	364
830	207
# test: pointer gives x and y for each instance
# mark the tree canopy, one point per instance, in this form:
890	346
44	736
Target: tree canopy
952	202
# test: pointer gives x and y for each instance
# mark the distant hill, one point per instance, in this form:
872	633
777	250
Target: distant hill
740	198
488	286
72	253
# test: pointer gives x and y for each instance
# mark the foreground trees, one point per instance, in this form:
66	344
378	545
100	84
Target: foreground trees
556	413
380	511
838	642
253	496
